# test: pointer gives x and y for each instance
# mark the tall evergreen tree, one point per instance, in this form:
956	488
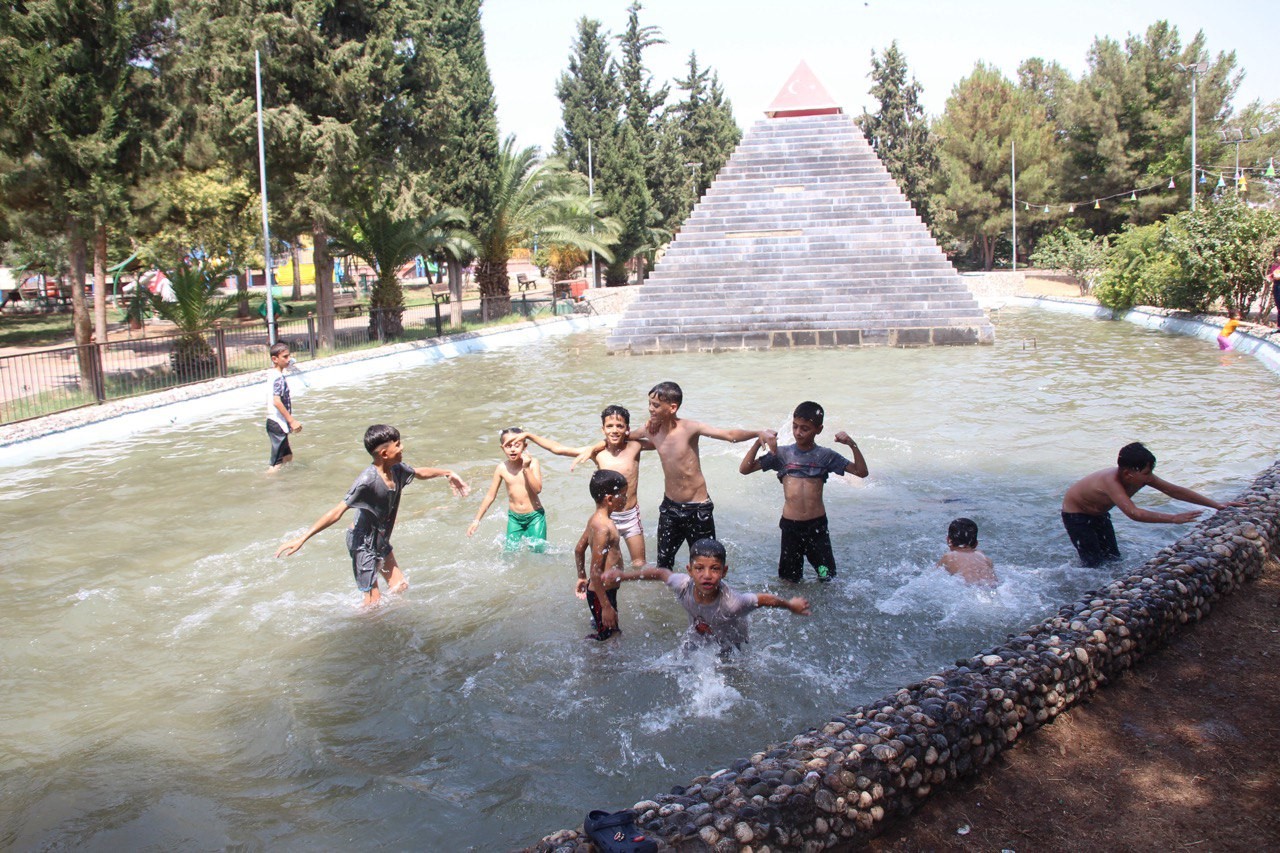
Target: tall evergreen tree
1129	122
590	98
985	117
704	129
79	81
466	171
899	130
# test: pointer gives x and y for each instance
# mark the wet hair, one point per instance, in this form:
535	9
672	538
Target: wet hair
604	483
502	436
378	435
1136	457
620	411
278	348
809	411
667	392
963	533
707	548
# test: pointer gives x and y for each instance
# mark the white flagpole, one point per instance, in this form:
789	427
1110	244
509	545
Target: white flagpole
266	235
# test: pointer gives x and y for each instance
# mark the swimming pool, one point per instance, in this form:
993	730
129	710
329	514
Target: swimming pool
168	683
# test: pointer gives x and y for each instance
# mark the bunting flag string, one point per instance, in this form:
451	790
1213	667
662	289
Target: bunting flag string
1223	174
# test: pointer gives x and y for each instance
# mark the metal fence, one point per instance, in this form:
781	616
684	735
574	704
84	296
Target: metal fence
55	380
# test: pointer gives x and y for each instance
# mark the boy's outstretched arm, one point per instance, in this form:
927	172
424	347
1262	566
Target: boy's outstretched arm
553	446
797	605
767	439
733	436
858	467
1182	493
648	573
460	488
489	498
322	522
587	454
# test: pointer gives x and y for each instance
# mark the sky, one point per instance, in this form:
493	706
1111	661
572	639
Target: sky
754	45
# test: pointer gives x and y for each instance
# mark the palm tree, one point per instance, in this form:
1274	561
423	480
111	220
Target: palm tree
197	305
535	196
386	242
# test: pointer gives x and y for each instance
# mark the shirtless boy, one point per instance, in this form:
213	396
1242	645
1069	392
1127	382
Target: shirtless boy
1086	508
802	469
618	453
608	490
522	475
686	514
964	558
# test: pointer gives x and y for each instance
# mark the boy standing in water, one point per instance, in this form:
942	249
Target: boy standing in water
717	614
802	469
522	475
375	495
280	419
964	558
686	513
609	491
1086	507
619	453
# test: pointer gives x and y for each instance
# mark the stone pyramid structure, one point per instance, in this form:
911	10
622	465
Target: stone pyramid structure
803	239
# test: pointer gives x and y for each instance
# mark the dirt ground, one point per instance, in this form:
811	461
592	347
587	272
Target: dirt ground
1047	284
1180	753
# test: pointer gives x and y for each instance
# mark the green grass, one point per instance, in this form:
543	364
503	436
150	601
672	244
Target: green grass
34	330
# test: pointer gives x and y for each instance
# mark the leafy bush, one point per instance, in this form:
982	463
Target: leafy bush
1223	249
1140	270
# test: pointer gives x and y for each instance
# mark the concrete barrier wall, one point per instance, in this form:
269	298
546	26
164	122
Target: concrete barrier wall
836	785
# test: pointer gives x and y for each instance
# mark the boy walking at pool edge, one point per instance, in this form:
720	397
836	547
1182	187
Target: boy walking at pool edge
522	475
280	420
375	495
687	513
802	469
609	491
619	453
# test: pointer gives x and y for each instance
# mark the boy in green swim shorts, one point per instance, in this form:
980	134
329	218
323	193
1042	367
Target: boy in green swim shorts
522	475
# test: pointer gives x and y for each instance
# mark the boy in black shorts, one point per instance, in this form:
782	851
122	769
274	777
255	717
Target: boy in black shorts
375	495
803	468
609	491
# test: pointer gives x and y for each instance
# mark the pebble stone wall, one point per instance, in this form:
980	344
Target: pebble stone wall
837	785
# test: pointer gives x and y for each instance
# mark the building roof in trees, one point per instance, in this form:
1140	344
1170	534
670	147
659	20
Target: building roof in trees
802	95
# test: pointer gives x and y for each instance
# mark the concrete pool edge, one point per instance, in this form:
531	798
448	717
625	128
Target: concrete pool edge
119	419
835	786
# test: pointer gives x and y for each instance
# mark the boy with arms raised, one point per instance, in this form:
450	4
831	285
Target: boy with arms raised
686	513
609	491
619	453
1086	507
375	495
802	469
522	475
717	614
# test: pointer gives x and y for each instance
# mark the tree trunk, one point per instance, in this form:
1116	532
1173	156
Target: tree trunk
80	323
296	294
495	288
242	288
386	308
100	283
455	292
324	284
988	252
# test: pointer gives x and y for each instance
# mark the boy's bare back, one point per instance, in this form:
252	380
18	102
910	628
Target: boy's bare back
971	564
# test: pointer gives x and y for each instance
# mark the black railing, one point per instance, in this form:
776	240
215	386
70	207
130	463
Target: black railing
55	380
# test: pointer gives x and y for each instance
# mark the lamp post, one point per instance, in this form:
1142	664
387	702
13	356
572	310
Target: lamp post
1195	69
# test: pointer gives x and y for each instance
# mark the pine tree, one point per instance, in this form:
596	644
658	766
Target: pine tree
899	130
985	117
703	129
590	98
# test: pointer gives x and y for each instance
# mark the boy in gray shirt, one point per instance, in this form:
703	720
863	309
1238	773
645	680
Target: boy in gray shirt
717	614
803	468
375	495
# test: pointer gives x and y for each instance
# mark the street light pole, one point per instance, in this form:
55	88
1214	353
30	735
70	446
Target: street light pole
1195	69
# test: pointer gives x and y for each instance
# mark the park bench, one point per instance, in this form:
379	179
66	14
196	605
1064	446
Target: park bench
440	292
345	303
525	283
